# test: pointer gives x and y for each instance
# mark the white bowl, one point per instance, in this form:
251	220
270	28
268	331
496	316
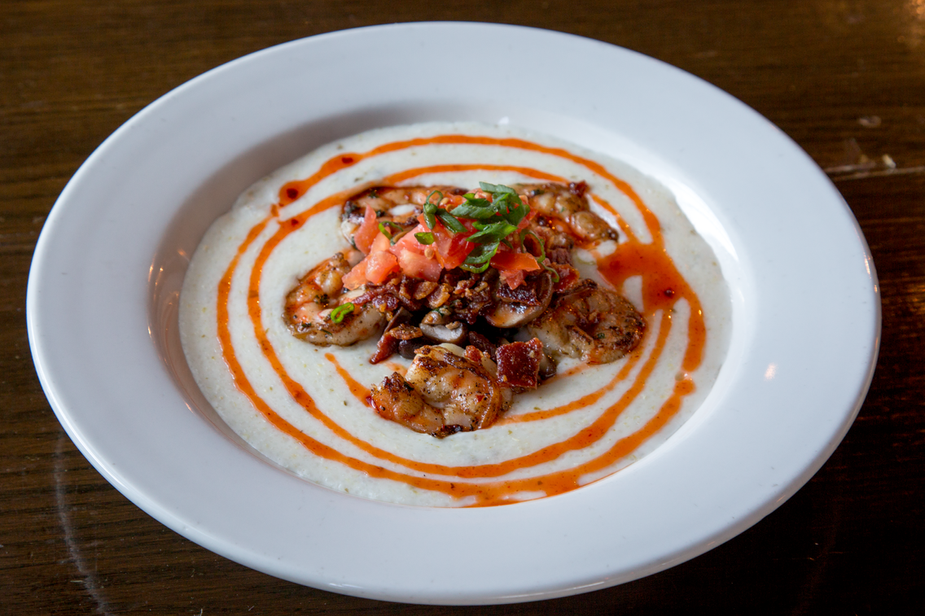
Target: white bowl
109	264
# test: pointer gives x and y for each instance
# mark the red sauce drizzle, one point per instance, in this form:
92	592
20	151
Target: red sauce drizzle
662	287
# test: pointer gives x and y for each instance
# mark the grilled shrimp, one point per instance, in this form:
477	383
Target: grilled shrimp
399	206
590	323
568	204
442	393
317	311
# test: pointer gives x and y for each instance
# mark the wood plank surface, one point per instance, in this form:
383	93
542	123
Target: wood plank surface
844	78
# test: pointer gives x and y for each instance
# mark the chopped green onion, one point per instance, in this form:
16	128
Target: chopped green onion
491	232
477	209
480	258
475	269
430	209
384	230
494	220
482	254
450	222
496	188
337	315
429	215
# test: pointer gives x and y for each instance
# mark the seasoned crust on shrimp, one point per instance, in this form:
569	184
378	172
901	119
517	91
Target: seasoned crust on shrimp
567	203
591	323
441	394
309	306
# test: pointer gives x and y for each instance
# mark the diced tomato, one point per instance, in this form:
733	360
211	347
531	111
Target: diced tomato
409	242
513	265
448	251
356	277
451	201
419	266
380	244
514	261
513	278
380	265
526	220
452	249
364	236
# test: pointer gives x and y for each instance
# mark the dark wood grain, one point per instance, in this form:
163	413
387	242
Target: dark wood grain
846	80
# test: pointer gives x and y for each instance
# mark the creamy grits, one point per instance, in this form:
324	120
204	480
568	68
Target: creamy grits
306	407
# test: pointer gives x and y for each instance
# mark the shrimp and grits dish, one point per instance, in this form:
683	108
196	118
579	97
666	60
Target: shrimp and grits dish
454	314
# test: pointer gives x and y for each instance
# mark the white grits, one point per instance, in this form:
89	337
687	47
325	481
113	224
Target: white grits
306	364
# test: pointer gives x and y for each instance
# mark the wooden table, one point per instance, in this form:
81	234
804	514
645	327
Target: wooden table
846	80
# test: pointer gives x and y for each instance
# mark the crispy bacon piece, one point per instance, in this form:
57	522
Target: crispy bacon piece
519	363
